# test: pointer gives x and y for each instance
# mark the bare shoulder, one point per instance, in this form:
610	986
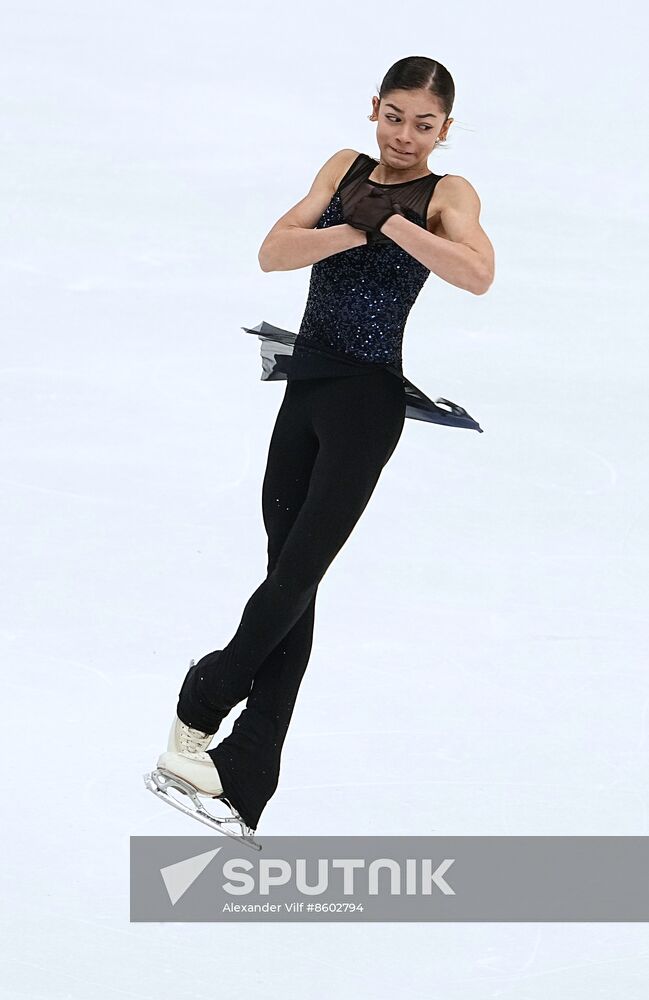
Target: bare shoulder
451	192
340	163
451	189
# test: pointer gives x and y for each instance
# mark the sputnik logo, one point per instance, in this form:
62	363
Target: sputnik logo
181	875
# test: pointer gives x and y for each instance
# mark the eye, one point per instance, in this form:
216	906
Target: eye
393	118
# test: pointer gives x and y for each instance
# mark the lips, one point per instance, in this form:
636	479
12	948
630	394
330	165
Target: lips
399	151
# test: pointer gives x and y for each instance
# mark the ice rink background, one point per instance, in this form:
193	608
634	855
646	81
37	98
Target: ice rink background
147	148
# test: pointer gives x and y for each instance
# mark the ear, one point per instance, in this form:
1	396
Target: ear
444	133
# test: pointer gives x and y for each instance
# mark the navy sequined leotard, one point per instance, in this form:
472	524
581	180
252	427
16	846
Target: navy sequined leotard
358	303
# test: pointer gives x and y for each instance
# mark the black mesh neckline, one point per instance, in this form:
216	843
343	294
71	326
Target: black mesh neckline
412	180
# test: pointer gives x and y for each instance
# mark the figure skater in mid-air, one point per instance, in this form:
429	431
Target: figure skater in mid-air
373	231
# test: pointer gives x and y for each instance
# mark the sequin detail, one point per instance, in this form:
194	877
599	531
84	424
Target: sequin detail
359	299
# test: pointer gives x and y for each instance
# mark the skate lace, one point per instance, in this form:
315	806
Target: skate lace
192	740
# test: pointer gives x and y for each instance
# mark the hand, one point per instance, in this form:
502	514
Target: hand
371	212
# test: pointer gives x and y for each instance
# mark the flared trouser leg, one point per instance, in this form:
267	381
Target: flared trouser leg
331	439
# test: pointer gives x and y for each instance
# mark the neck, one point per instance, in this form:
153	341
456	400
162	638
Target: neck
387	174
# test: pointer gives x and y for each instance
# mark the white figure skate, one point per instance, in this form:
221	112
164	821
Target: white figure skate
195	774
184	739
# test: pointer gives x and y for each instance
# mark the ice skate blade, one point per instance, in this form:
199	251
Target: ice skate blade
160	781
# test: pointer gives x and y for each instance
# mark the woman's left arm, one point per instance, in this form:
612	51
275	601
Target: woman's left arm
466	258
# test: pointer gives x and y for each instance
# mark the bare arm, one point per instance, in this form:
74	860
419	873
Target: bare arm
293	242
466	258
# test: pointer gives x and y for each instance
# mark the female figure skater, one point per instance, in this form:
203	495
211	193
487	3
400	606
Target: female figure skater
374	230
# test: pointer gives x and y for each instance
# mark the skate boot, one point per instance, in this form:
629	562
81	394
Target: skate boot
185	739
197	768
191	775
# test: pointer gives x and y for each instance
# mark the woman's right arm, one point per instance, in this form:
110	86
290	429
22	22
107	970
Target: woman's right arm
294	242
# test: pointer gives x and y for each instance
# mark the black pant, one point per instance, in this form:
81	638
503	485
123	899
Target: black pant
332	437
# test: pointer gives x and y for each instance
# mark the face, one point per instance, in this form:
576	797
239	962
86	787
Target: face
409	123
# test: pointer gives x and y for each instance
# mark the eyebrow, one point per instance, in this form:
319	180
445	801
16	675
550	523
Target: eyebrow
429	115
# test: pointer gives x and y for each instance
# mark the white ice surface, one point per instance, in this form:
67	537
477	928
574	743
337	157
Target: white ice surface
501	578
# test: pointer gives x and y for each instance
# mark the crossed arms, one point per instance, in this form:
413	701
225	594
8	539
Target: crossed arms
464	257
